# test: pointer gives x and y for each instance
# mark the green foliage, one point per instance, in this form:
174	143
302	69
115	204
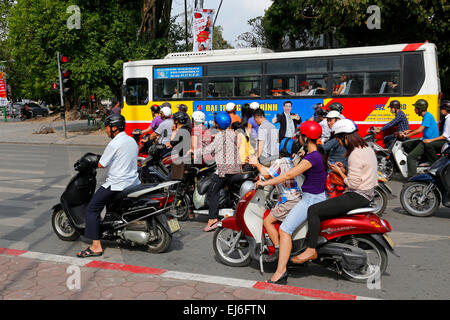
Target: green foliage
406	21
97	51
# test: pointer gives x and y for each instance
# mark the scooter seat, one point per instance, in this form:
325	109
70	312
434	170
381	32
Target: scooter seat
362	210
127	191
239	178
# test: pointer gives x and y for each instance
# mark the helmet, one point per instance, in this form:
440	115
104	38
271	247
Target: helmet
311	129
230	106
421	104
336	106
288	147
333	114
155	108
345	126
180	117
254	105
182	107
166	104
223	120
116	120
166	111
395	104
445	105
198	116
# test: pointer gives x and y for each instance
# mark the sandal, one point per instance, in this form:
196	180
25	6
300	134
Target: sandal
89	253
211	227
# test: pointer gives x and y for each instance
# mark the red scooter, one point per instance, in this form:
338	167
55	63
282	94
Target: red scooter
354	245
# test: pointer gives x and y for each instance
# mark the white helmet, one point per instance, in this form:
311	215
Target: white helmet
166	111
230	106
344	126
254	105
198	116
333	114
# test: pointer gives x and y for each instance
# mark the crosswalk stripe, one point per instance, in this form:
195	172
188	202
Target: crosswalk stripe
36	172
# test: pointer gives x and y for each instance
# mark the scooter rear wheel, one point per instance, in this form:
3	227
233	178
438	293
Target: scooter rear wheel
377	259
63	227
230	248
410	196
163	240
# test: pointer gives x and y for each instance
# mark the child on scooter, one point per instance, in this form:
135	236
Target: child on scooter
289	190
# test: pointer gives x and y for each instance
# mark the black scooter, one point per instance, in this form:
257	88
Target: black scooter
423	193
136	215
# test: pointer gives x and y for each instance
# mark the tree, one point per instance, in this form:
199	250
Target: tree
107	38
298	24
218	41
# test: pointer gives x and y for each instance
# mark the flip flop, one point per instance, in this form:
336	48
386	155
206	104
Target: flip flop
89	253
211	227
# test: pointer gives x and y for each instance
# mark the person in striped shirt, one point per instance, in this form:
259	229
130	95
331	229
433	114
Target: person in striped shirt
400	121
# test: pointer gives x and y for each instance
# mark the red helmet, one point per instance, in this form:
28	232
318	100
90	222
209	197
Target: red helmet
311	130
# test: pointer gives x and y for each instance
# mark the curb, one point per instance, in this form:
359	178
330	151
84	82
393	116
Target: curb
250	284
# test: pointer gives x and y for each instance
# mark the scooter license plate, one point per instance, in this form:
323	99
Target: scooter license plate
174	226
389	240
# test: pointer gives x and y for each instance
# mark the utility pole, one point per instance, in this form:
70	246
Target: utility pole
186	25
61	93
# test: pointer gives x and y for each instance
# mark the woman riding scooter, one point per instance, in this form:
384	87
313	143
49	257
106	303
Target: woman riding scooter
361	180
314	170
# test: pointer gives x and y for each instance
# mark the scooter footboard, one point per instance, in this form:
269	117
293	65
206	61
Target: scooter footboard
349	257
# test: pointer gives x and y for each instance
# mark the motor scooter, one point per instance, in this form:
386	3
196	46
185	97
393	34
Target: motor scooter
354	245
135	216
423	193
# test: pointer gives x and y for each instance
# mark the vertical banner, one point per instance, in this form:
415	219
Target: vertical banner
3	94
203	29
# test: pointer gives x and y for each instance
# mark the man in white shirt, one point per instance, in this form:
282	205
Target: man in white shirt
434	146
120	157
268	144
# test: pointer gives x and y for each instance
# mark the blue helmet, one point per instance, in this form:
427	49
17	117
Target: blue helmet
223	120
288	147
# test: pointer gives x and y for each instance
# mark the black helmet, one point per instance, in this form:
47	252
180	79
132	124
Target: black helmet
421	104
445	104
115	120
182	107
336	106
180	117
395	104
155	108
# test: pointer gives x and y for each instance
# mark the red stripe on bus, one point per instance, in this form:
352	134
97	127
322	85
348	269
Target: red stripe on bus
412	47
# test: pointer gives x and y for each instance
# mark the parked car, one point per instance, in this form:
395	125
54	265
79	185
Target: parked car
31	110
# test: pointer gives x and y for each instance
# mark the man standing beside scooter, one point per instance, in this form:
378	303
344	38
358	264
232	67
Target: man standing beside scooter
429	130
434	146
120	157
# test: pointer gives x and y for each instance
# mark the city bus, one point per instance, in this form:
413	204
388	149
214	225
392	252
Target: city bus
369	78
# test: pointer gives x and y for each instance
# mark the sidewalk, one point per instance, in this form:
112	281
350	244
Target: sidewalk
26	278
78	133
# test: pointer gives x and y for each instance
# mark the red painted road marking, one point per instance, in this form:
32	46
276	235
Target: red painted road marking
125	267
328	295
12	252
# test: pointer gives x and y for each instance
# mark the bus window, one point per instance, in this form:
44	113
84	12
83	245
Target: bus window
280	86
165	89
348	83
191	88
136	91
413	73
228	69
366	63
220	88
382	82
248	87
297	66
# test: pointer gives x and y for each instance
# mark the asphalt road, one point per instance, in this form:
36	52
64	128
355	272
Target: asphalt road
33	177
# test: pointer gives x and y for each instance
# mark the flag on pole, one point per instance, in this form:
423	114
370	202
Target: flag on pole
203	29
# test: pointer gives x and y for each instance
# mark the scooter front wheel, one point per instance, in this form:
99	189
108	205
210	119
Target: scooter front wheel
62	226
411	199
231	248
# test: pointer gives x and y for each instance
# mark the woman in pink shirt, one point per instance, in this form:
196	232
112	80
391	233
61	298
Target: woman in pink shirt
361	179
